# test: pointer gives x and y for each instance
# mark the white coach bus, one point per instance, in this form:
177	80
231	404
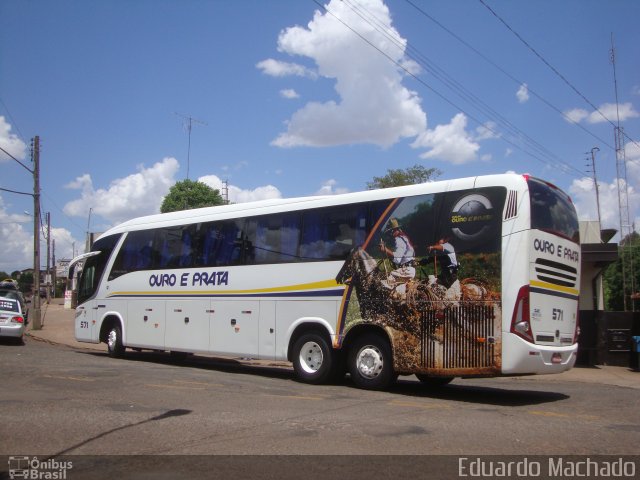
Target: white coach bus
460	278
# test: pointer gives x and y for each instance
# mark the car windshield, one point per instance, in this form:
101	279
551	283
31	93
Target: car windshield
9	305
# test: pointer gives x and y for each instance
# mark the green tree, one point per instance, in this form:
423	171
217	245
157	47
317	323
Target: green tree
408	176
25	282
188	194
613	284
4	275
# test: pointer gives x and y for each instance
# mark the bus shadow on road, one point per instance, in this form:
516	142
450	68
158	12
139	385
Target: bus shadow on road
458	391
219	364
477	394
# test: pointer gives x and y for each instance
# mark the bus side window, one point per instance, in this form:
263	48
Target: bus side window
331	233
222	243
136	253
174	247
276	238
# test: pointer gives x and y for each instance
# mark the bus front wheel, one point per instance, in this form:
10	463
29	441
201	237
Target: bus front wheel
114	341
370	362
312	358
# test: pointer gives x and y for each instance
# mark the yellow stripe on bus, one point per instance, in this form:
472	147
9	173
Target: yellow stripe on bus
557	288
325	284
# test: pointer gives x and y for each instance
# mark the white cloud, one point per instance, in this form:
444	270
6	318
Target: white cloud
239	195
65	243
10	142
609	110
276	68
576	115
329	188
16	238
584	196
523	93
488	131
135	195
289	93
372	106
450	143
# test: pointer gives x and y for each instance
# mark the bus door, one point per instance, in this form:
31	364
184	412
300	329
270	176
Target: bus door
187	325
87	310
146	323
86	318
234	327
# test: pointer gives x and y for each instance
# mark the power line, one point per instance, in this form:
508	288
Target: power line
14	158
13	191
553	69
453	85
13	122
507	74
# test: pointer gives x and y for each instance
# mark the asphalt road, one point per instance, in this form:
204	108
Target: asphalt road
57	400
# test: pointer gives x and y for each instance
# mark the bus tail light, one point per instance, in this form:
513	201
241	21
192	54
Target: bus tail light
577	332
521	321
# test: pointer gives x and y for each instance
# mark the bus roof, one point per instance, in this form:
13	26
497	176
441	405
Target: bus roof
261	207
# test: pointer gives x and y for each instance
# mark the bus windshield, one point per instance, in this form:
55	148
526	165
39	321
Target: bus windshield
552	210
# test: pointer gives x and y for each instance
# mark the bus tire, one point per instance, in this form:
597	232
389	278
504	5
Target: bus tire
370	362
114	341
433	382
313	360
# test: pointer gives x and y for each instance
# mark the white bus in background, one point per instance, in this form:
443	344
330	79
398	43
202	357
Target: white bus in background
460	278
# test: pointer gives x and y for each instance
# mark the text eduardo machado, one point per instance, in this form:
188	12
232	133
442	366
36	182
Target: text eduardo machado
551	467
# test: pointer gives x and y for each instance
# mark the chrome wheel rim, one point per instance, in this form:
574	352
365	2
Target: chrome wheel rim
369	361
112	339
311	357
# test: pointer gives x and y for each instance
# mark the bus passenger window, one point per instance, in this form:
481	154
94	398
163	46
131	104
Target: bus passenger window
331	233
136	253
222	243
275	239
174	246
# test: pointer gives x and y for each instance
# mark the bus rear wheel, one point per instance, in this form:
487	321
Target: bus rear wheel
114	341
313	360
370	362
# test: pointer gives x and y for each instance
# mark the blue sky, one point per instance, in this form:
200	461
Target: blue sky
296	102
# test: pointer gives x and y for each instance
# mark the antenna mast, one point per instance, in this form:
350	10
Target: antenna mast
189	121
626	229
595	183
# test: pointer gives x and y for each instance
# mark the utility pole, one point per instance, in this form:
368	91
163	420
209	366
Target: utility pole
35	300
88	242
48	276
595	183
54	273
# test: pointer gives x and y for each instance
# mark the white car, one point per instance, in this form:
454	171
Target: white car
12	322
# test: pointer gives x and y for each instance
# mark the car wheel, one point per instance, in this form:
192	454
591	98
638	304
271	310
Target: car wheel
114	341
370	362
313	359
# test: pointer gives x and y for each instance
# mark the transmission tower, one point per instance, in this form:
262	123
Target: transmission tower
225	192
189	121
626	228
